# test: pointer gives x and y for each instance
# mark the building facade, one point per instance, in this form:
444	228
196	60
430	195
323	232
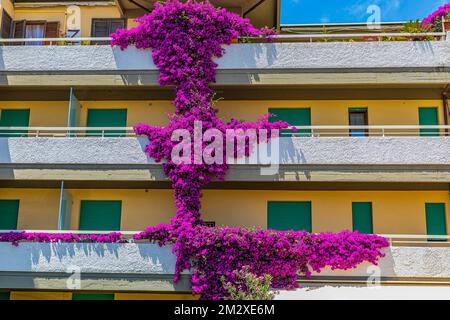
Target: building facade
372	153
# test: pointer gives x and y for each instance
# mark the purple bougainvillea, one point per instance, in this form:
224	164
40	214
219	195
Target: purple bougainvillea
185	38
435	18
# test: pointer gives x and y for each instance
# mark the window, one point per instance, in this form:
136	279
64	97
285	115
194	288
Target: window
100	215
104	27
289	216
436	220
14	118
362	217
7	25
107	118
358	117
9	213
428	117
92	296
293	116
35	29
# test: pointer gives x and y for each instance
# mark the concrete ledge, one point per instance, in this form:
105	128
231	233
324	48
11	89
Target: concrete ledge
402	262
293	151
345	159
344	63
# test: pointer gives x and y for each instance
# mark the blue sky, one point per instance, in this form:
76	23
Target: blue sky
339	11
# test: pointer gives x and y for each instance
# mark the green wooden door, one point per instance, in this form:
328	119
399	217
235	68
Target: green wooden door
289	216
436	221
293	116
107	118
428	117
14	118
9	213
362	217
93	296
4	295
100	215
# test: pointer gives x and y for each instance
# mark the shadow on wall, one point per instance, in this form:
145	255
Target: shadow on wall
3	76
5	158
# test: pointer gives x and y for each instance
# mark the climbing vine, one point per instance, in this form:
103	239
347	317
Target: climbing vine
185	38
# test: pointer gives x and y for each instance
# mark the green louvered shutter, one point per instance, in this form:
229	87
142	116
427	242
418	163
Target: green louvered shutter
107	118
14	118
428	117
9	213
4	295
289	216
100	215
293	116
362	217
436	220
92	296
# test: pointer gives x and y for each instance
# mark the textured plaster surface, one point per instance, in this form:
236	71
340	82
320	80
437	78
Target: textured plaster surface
298	151
332	55
327	292
129	258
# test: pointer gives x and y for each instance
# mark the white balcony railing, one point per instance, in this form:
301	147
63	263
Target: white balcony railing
277	38
309	131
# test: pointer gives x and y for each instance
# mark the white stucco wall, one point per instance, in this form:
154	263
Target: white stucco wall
304	151
127	258
252	56
146	258
340	292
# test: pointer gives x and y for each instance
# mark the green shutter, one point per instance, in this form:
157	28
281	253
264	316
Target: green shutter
9	213
14	118
289	216
362	217
428	117
93	296
436	221
4	295
107	118
293	116
100	215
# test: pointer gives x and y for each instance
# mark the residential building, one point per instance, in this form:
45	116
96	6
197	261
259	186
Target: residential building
372	153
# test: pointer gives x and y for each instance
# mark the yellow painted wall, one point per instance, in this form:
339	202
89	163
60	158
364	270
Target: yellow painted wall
380	112
35	295
394	212
53	14
140	209
42	113
38	208
8	7
88	13
335	112
59	13
151	112
155	296
38	295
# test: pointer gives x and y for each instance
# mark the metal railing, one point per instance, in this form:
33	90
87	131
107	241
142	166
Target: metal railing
392	36
372	131
302	131
66	132
394	239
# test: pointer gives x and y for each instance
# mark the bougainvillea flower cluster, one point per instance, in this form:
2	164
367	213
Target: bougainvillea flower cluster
185	38
437	15
16	237
215	253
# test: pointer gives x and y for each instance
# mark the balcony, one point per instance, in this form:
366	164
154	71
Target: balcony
118	267
407	154
286	61
410	260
